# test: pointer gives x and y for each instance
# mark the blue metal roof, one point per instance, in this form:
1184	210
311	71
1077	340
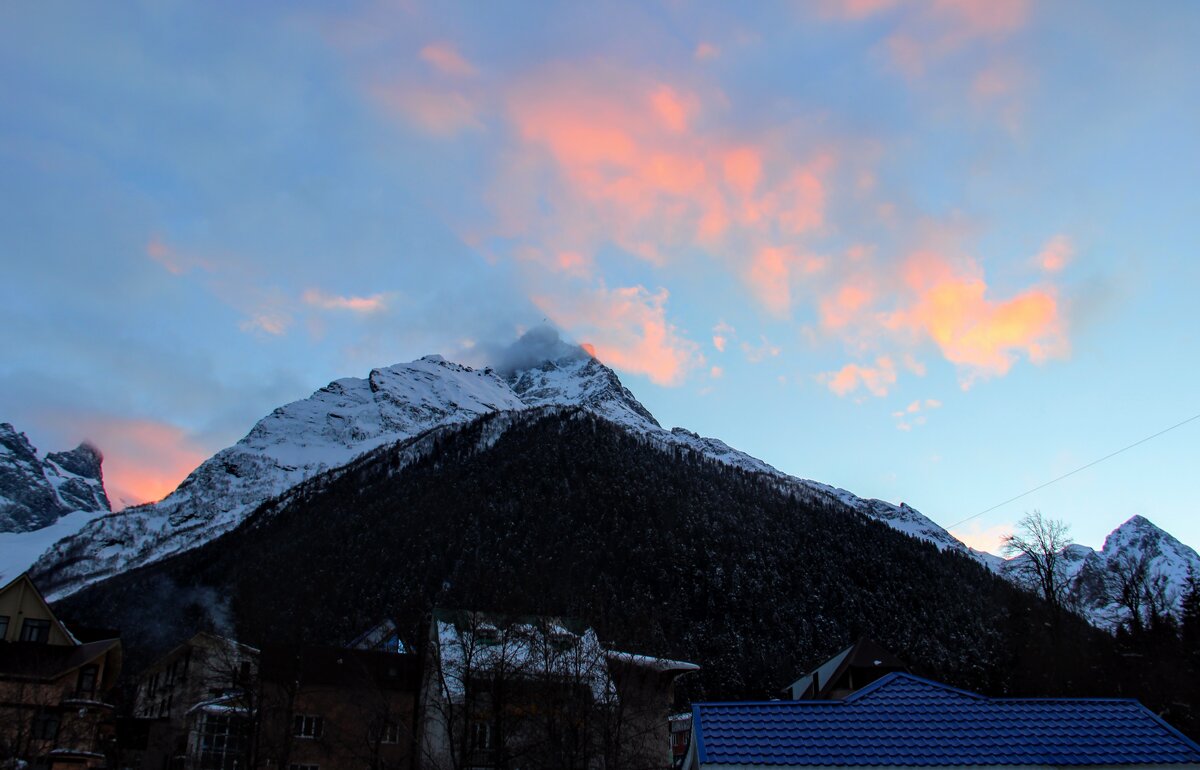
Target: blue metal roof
906	720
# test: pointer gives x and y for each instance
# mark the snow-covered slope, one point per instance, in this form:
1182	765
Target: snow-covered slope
1094	577
351	416
35	492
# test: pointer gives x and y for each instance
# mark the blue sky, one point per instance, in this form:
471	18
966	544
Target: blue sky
936	252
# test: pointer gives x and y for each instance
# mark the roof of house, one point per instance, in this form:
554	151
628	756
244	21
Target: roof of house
340	666
864	653
47	662
904	720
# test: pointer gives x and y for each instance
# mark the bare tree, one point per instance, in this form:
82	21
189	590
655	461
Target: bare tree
1037	549
1141	591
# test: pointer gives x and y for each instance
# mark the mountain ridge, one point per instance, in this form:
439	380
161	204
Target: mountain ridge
35	492
352	416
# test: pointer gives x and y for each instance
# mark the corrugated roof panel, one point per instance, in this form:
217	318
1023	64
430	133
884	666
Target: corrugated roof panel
906	720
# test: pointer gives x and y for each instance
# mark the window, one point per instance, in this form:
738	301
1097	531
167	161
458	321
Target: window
221	742
308	726
45	726
389	734
86	686
3	627
481	735
35	630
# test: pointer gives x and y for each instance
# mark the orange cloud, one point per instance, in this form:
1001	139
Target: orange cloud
446	59
1055	254
982	336
640	168
144	460
319	299
877	379
626	328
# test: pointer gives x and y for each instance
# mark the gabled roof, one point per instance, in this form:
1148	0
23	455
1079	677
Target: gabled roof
904	720
37	594
340	666
47	662
864	653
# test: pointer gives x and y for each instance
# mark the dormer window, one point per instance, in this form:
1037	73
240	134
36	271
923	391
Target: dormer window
3	627
35	630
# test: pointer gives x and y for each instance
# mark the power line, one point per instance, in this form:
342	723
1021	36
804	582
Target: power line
1077	470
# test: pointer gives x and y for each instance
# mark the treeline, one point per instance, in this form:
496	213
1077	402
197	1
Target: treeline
668	553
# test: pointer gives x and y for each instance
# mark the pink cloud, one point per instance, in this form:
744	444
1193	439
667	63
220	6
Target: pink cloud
319	299
144	460
436	111
639	166
856	10
275	323
446	59
770	274
983	538
626	328
722	332
845	304
705	51
765	349
1055	254
876	380
943	27
173	260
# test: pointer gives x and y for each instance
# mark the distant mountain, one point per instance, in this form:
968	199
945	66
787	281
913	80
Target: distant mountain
35	492
1095	576
556	510
352	416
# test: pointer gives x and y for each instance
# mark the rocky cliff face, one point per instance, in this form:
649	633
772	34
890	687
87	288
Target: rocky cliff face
35	492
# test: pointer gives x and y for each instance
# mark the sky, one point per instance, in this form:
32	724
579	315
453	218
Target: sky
938	252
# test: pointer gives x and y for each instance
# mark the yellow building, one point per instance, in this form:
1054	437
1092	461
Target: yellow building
52	685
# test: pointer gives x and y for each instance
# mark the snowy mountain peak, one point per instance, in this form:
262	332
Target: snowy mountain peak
351	416
36	492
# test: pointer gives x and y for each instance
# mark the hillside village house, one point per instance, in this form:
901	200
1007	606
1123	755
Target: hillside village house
204	669
53	684
337	708
852	669
504	691
212	703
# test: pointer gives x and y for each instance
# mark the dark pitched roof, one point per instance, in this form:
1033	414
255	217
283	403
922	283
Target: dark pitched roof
863	654
46	662
340	666
903	720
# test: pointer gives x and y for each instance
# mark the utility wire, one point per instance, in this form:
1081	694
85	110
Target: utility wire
1077	470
